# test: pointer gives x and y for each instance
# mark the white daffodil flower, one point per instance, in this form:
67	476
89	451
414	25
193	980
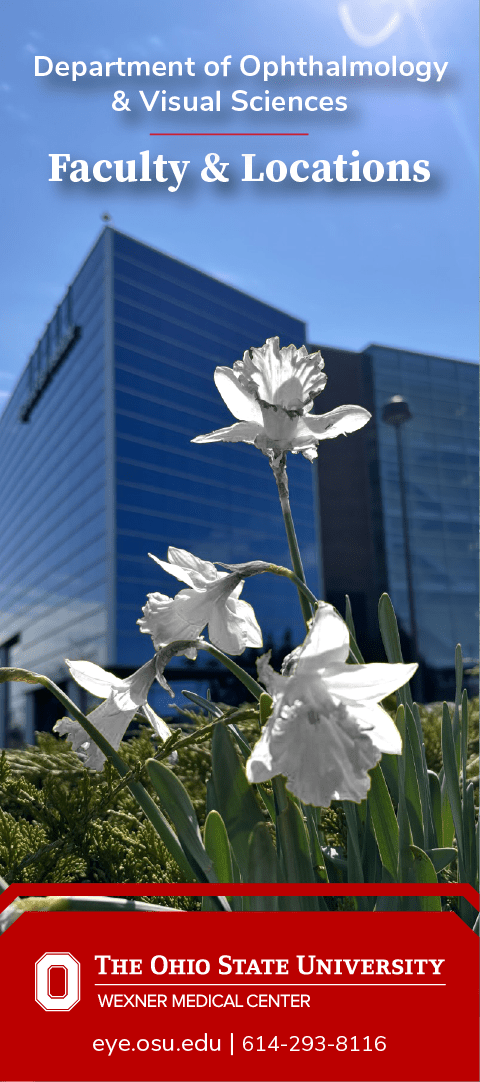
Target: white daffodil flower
212	599
327	728
271	392
123	699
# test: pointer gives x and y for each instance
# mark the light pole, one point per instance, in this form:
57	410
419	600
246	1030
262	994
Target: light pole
396	412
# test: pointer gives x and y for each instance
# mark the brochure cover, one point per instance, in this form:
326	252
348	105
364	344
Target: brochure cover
239	354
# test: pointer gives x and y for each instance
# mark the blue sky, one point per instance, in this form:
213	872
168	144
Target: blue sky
391	263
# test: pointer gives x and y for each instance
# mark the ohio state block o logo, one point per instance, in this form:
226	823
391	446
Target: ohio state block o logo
57	981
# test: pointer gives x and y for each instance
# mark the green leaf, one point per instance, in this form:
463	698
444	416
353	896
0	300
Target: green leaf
389	629
354	859
436	804
441	858
262	858
349	616
412	795
262	867
218	847
384	821
404	832
448	825
471	851
266	703
234	797
371	862
205	704
451	782
316	854
246	751
458	700
243	745
390	773
295	855
354	647
464	742
177	804
391	641
414	727
422	871
336	864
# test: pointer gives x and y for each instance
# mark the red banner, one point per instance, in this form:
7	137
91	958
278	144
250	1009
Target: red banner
241	996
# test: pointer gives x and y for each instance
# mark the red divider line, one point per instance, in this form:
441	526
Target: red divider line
170	890
215	133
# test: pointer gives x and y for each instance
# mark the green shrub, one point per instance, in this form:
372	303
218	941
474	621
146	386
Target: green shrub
61	823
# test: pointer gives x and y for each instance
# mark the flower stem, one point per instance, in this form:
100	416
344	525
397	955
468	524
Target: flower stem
280	475
255	689
299	583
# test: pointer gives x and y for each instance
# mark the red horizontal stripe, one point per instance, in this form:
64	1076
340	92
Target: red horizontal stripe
42	890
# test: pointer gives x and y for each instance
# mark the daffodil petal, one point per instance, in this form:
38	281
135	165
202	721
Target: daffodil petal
246	615
188	568
180	573
379	727
357	683
240	403
135	688
158	724
243	432
270	679
180	558
328	638
93	678
167	618
323	760
338	422
232	626
110	721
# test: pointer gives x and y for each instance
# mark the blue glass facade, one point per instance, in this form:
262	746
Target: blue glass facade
441	474
98	435
53	594
363	541
173	326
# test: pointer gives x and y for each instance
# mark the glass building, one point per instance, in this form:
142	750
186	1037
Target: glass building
363	535
101	471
